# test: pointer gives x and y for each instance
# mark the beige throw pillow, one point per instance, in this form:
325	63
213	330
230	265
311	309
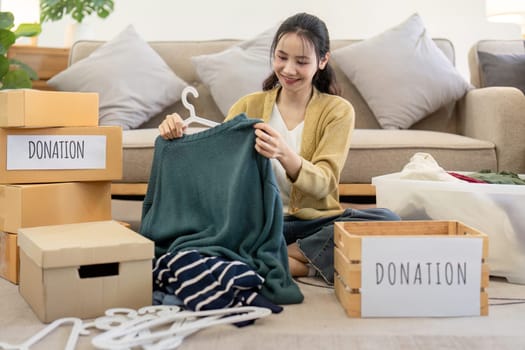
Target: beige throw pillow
133	81
401	73
236	71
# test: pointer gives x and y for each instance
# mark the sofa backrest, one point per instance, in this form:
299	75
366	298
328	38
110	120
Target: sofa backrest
177	54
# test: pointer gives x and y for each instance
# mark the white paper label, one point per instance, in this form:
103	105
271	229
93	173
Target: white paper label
427	276
45	152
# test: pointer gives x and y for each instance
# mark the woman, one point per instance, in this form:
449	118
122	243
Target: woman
306	133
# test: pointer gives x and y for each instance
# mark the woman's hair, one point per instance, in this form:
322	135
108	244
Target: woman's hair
314	30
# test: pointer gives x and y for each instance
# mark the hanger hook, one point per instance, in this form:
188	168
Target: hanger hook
189	90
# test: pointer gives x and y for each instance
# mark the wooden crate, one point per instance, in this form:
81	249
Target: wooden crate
348	238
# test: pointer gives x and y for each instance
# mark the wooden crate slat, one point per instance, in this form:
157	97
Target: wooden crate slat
351	301
349	245
349	272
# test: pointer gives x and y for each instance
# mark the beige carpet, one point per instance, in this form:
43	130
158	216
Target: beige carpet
318	323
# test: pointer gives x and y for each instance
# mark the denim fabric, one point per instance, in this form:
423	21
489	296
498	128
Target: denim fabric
316	237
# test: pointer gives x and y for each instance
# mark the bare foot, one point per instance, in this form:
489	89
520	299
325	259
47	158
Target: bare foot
297	268
297	261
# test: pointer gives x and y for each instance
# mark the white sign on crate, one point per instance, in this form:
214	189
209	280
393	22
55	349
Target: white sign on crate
48	152
420	276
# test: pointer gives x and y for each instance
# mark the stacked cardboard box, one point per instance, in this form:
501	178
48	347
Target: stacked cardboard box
103	264
57	238
56	164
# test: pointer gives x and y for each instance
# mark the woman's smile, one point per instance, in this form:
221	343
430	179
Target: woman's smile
288	80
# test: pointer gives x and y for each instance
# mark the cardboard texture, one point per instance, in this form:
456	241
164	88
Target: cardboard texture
102	264
29	205
60	154
28	108
9	262
348	258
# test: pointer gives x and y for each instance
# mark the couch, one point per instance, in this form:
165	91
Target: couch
482	129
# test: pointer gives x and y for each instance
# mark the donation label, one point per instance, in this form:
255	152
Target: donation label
420	276
48	152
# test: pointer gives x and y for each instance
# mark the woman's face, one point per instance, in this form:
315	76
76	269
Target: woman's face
295	63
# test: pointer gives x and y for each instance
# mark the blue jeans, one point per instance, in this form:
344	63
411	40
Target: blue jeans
316	237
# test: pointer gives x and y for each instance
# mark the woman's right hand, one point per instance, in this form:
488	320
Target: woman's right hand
172	127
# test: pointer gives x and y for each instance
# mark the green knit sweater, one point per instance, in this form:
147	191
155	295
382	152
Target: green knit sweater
328	125
212	192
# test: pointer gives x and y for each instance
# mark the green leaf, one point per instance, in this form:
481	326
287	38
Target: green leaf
54	10
21	65
7	38
79	14
103	7
28	29
4	66
7	20
16	79
15	74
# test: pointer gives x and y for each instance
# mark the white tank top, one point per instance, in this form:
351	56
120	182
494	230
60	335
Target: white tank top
293	139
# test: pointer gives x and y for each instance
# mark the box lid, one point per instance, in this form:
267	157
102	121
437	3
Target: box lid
394	180
36	108
84	243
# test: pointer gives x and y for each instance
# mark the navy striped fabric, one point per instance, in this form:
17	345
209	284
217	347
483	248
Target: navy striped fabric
205	283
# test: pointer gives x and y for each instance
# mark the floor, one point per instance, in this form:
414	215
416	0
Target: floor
318	323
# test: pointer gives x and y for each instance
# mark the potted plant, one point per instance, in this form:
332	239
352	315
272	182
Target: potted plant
13	73
54	10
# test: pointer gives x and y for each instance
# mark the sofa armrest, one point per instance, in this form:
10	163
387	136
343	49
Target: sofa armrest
497	114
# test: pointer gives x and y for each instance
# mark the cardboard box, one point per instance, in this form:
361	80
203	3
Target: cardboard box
494	209
53	204
81	270
60	154
410	269
9	261
28	108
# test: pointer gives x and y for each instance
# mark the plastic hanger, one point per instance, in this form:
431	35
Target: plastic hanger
193	118
166	329
153	327
71	341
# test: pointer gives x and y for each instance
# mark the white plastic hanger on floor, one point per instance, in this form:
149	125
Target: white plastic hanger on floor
71	341
193	118
158	327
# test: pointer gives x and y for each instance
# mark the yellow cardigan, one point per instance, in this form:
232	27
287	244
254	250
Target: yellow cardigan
328	125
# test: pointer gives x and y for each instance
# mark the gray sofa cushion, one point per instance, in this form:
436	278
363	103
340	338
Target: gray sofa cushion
495	47
503	70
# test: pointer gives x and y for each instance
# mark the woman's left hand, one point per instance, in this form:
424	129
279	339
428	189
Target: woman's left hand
270	144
